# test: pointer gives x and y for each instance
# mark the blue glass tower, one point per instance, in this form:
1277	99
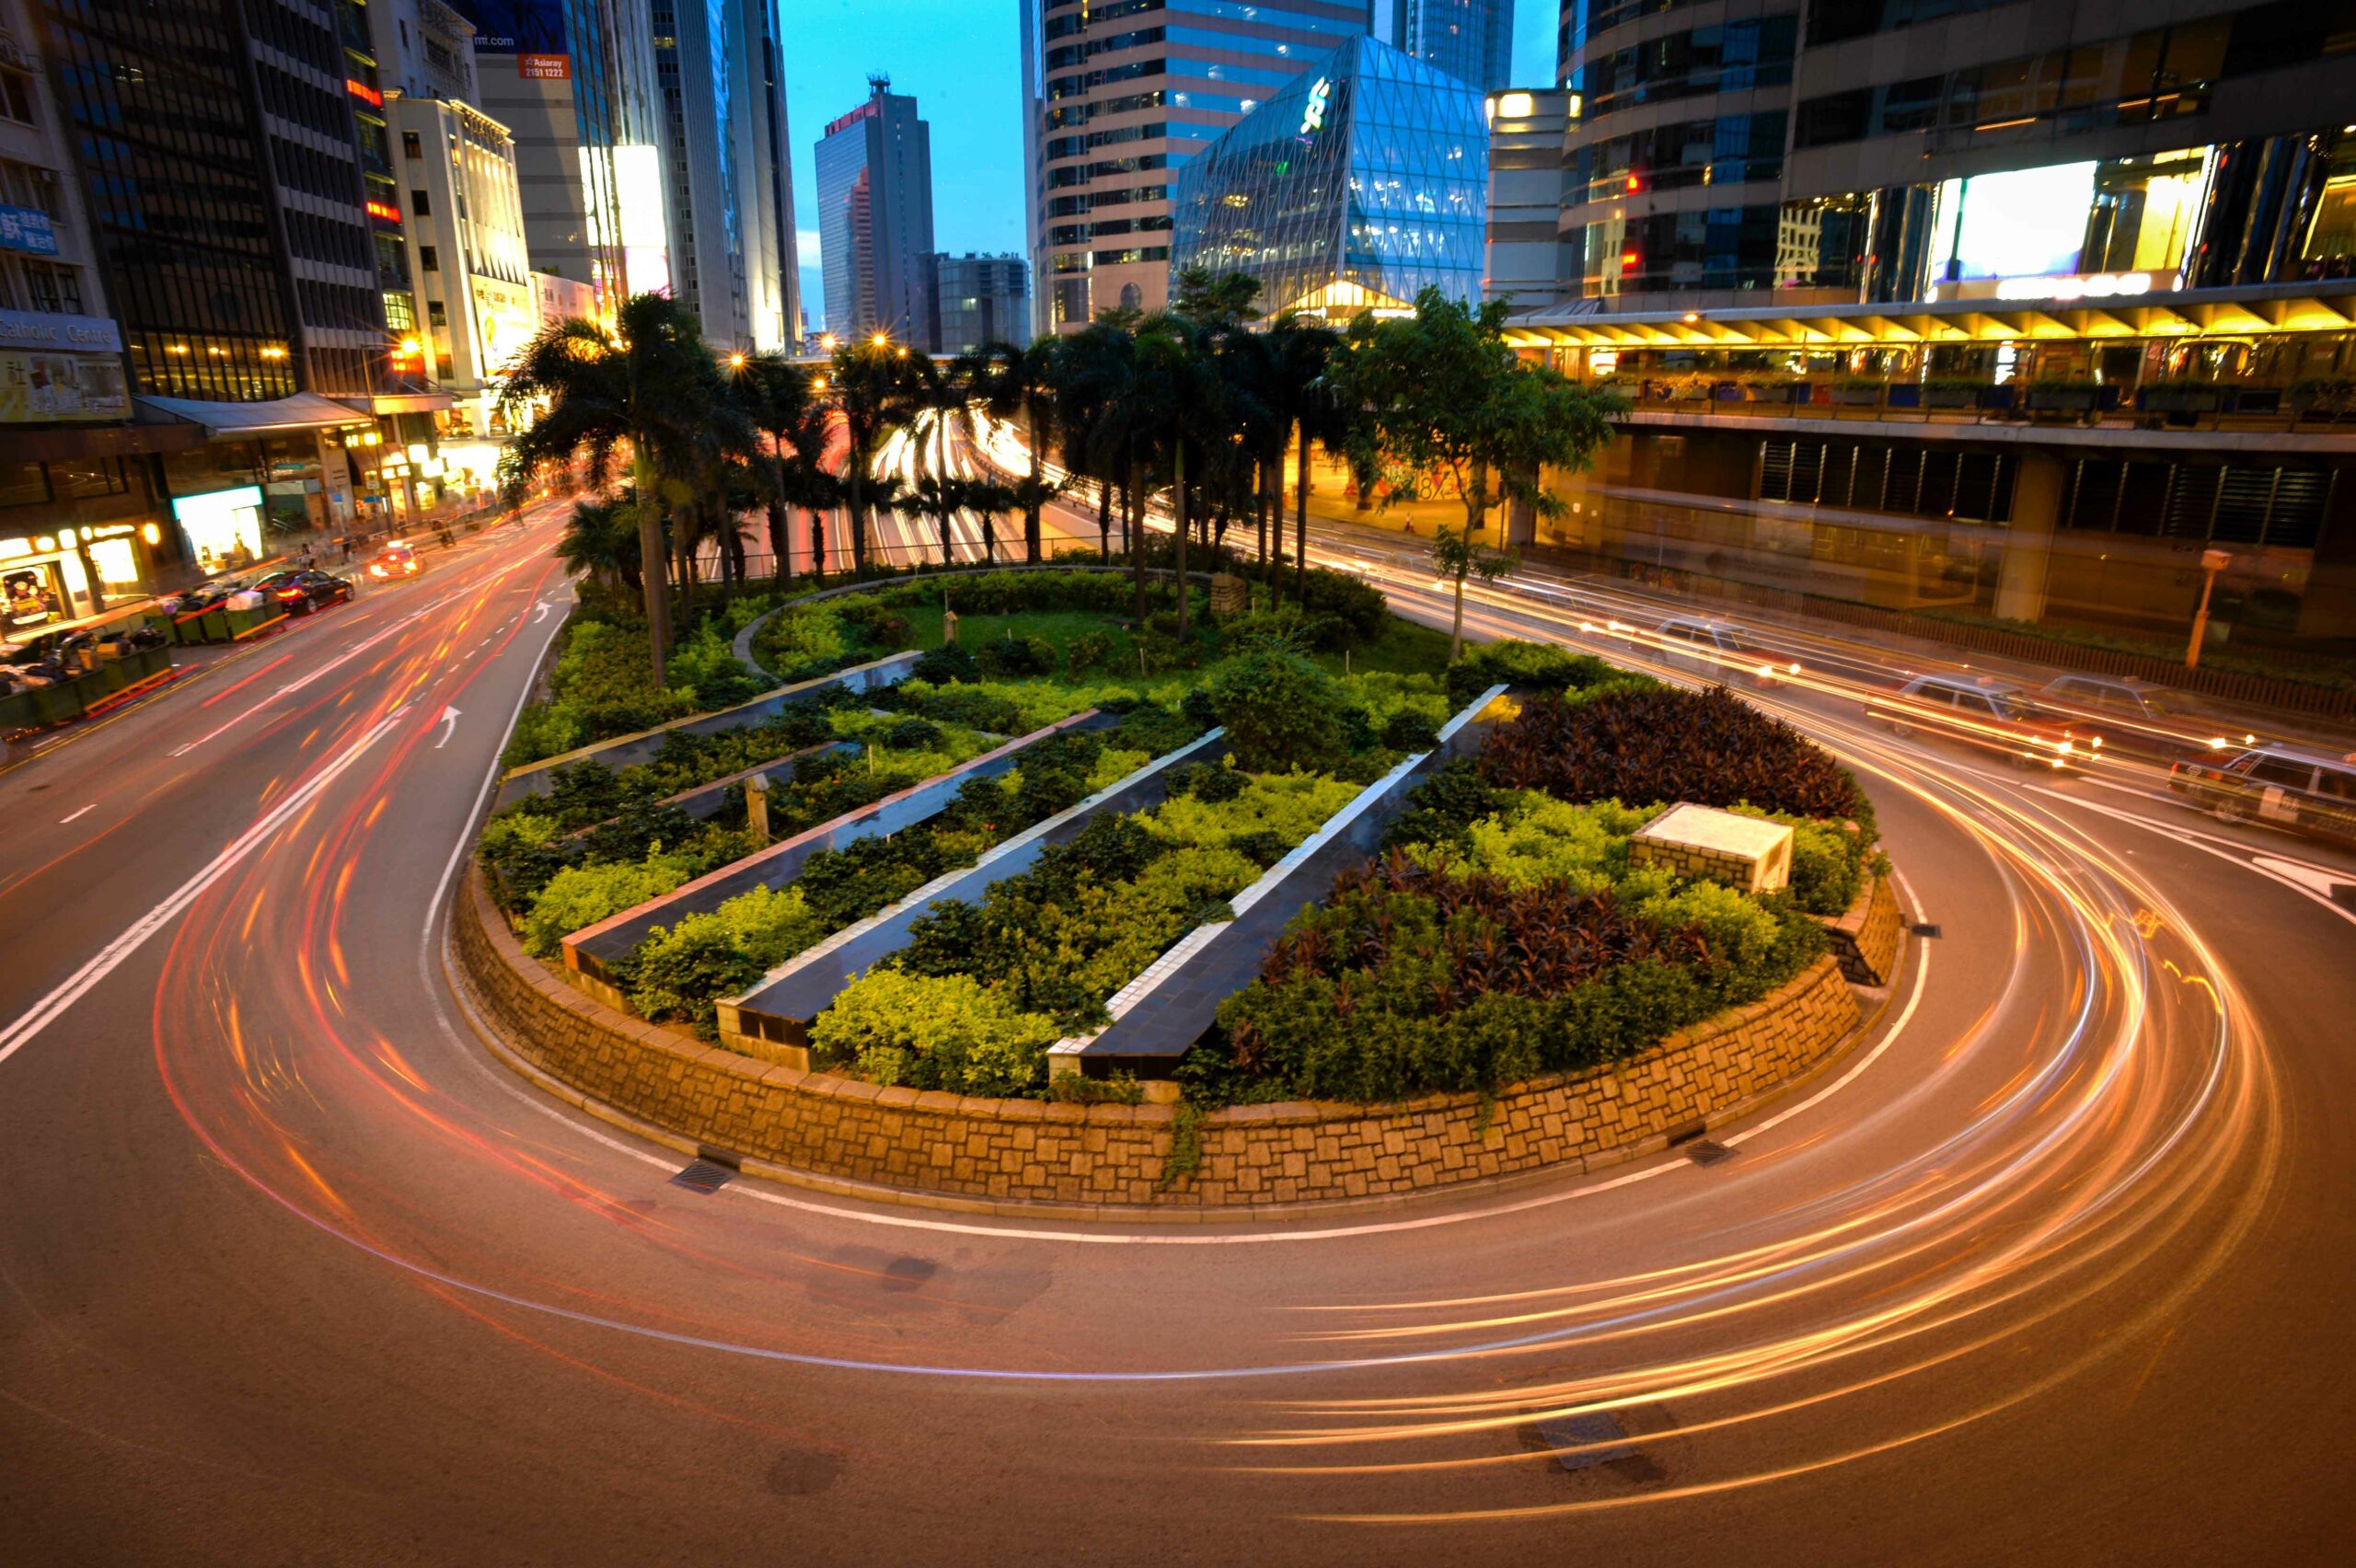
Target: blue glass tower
1357	185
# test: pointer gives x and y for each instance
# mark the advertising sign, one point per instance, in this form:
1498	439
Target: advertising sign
46	389
525	28
545	67
27	229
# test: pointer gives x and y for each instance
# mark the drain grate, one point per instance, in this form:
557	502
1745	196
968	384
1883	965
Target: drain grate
705	1176
1584	1440
1923	928
1702	1151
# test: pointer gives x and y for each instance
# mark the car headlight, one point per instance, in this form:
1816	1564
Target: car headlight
2066	747
1768	671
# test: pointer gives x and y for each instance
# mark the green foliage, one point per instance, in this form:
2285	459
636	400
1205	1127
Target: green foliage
1529	667
944	1033
1443	808
704	664
1015	657
1357	605
678	972
582	895
1087	652
942	665
1280	711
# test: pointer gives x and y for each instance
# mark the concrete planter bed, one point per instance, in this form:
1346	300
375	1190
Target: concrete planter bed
589	953
772	1019
624	751
1026	1156
1158	1016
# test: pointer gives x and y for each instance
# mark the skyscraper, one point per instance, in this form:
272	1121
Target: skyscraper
574	82
1470	39
875	217
1114	101
978	300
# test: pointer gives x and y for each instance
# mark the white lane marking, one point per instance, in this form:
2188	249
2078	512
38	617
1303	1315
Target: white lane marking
109	959
86	811
2299	876
1905	1017
450	717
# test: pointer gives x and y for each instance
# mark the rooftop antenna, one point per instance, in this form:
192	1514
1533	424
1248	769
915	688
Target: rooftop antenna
879	84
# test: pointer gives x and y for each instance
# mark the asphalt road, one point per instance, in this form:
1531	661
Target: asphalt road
2053	1267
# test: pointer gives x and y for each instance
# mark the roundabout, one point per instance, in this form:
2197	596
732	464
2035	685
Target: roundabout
2044	1265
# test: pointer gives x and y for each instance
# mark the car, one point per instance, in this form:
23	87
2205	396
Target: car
301	592
2303	789
395	562
1993	715
1717	650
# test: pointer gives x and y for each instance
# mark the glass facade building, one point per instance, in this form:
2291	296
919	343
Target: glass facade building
1118	97
1359	185
875	169
1470	39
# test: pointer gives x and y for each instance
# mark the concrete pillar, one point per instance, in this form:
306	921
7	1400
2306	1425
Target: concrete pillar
2028	542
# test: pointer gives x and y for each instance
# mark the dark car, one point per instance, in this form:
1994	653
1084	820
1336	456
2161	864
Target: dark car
300	593
2303	790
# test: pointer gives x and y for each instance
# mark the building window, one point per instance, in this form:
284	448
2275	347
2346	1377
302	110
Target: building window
436	314
411	147
57	289
429	259
17	95
419	205
400	314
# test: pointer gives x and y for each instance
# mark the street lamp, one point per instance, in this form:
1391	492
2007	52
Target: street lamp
735	361
880	339
2211	563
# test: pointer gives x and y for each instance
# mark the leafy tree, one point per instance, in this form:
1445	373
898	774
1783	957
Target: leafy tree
1457	556
870	388
1281	712
1442	391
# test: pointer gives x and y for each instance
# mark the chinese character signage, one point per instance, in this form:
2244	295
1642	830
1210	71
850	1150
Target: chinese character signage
27	230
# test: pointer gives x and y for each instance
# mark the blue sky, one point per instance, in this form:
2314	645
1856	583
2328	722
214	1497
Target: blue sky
962	61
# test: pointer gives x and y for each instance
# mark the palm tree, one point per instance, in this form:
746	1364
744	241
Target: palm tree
601	543
1298	352
648	384
941	497
1096	371
782	404
1020	383
1181	408
870	388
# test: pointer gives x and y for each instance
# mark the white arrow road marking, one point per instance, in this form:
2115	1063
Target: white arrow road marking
49	1007
542	607
449	717
2309	881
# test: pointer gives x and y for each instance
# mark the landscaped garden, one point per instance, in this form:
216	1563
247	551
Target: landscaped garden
1033	648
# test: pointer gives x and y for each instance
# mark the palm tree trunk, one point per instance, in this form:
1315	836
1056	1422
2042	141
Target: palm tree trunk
1030	543
858	515
1301	520
1104	517
946	560
817	544
1178	492
651	556
1456	629
1135	504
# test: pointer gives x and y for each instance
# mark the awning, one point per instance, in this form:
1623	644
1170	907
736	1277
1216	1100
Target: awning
304	410
407	403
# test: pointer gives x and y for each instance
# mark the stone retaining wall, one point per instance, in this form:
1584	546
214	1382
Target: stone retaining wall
1017	1151
1868	938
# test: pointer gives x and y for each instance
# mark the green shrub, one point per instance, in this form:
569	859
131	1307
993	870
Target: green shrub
582	895
1280	711
681	971
1014	657
1087	652
948	1032
1358	606
913	734
943	666
1441	809
1527	666
704	664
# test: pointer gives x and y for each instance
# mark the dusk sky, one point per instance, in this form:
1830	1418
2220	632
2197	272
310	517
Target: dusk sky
963	63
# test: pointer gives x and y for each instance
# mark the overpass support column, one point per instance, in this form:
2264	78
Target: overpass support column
2028	541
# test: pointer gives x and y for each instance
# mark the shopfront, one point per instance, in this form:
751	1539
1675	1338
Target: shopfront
223	528
68	574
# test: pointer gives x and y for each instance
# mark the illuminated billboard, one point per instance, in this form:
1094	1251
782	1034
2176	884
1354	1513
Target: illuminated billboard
637	174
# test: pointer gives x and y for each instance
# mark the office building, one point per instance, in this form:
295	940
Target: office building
469	266
2014	310
977	300
1356	186
574	82
723	99
1527	264
424	49
1470	39
875	173
1118	98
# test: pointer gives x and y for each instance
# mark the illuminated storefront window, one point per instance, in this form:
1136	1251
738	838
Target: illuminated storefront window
224	528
